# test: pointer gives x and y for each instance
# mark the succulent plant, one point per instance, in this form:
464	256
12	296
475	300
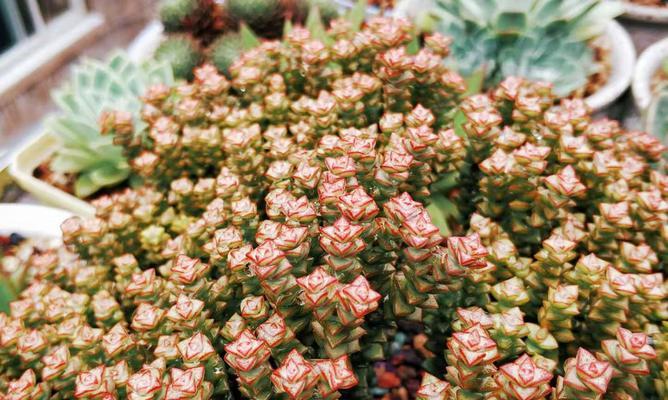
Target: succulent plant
266	17
175	13
220	32
542	40
95	87
329	10
202	19
282	234
655	120
182	53
226	50
256	13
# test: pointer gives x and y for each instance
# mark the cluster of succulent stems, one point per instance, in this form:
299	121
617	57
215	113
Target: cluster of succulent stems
285	224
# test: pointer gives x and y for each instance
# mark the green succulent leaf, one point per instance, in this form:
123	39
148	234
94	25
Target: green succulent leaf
475	81
357	14
511	23
7	294
248	38
315	25
287	27
84	186
459	120
72	131
440	210
72	160
413	47
566	65
108	174
656	120
226	49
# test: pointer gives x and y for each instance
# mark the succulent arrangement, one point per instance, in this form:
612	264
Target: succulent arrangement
552	41
88	161
210	30
287	228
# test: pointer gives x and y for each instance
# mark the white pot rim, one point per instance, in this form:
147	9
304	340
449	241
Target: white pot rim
623	59
31	220
649	61
645	13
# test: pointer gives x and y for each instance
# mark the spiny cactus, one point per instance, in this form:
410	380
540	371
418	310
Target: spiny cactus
182	53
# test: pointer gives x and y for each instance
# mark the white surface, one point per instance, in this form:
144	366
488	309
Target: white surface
623	58
650	60
32	220
146	42
645	13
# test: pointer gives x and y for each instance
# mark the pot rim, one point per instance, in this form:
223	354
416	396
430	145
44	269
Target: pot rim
648	62
645	13
623	61
32	220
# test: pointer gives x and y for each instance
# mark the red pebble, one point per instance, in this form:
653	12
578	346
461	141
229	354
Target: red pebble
388	380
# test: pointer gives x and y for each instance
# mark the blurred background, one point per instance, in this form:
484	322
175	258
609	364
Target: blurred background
39	39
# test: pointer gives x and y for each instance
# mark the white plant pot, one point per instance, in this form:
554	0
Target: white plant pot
42	147
648	63
645	13
22	169
32	221
622	59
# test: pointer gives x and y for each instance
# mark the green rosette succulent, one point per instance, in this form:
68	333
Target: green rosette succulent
541	40
95	87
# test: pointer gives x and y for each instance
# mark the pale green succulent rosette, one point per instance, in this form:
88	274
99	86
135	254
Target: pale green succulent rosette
97	86
545	40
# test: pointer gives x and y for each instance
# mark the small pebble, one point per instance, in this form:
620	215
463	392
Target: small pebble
388	380
15	239
412	358
413	385
403	394
395	347
406	372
